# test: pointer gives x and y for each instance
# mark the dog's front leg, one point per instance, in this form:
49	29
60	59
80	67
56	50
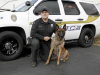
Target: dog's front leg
49	56
58	61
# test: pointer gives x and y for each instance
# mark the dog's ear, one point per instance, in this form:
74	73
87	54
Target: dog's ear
64	27
57	27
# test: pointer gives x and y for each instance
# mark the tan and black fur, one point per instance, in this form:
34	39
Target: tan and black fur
58	39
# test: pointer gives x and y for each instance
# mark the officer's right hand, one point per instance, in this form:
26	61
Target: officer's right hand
46	38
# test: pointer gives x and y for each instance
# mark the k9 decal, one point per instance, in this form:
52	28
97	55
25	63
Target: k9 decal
71	28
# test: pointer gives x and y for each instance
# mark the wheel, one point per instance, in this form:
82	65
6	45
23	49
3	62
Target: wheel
11	45
86	38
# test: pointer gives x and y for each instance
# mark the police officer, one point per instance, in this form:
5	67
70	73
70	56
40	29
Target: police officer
41	32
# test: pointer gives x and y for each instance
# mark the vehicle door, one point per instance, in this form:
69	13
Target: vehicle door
73	17
53	8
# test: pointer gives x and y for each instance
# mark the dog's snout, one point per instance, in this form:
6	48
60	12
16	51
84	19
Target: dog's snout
62	35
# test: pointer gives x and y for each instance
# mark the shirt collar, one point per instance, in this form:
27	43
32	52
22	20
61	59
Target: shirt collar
44	22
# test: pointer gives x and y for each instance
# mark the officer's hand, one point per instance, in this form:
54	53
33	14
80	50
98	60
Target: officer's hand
46	38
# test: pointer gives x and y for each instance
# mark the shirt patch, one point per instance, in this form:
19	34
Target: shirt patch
39	26
51	25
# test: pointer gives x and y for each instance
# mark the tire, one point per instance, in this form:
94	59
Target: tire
11	45
86	38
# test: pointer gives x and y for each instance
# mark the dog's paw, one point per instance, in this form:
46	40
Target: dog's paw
58	64
64	61
46	63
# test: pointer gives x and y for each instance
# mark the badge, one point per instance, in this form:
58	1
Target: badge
51	25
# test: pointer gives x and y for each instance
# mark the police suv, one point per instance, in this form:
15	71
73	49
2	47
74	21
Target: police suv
82	20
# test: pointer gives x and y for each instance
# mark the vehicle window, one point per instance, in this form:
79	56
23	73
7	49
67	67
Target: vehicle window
70	8
90	9
52	7
22	7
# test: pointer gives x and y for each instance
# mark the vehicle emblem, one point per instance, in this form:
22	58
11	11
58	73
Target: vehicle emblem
13	18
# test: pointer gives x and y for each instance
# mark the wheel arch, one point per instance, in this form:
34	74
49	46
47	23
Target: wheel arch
91	26
18	30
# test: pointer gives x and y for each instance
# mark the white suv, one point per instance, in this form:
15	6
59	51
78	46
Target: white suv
82	20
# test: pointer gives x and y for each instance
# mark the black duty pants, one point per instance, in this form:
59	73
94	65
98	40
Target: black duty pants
44	47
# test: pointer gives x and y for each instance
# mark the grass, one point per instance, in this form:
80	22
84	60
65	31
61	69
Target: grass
96	41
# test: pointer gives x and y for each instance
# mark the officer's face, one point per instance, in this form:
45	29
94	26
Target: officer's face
44	14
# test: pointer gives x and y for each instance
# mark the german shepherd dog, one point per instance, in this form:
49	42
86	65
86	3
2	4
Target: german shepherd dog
60	52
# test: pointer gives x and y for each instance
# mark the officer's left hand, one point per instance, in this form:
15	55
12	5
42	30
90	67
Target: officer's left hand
46	38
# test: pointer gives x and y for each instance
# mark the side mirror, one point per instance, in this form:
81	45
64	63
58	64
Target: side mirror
28	3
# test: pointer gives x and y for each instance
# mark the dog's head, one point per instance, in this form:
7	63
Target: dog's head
60	32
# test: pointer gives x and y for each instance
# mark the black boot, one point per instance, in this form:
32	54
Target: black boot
34	64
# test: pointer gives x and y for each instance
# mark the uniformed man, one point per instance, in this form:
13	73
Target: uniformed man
41	32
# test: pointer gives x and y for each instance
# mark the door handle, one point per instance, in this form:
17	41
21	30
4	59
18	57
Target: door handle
58	20
80	19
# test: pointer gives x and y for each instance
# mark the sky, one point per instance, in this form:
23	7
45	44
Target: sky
11	3
2	2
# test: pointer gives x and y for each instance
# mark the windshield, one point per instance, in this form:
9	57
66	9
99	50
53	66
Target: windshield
22	7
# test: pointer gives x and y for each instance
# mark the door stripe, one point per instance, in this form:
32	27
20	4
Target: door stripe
90	19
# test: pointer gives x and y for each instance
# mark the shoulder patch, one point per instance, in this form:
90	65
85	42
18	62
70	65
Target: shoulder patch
33	22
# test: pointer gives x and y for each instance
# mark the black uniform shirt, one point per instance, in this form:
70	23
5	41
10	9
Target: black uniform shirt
40	29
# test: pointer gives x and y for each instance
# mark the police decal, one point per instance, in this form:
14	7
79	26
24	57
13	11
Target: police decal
71	28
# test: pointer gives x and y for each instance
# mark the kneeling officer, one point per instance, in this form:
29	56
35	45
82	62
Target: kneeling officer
41	31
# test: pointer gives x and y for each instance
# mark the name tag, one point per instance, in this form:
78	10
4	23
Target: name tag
39	26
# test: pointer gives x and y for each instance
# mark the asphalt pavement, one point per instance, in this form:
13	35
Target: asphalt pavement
82	61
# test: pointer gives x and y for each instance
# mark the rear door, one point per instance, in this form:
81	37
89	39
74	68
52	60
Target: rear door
73	17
